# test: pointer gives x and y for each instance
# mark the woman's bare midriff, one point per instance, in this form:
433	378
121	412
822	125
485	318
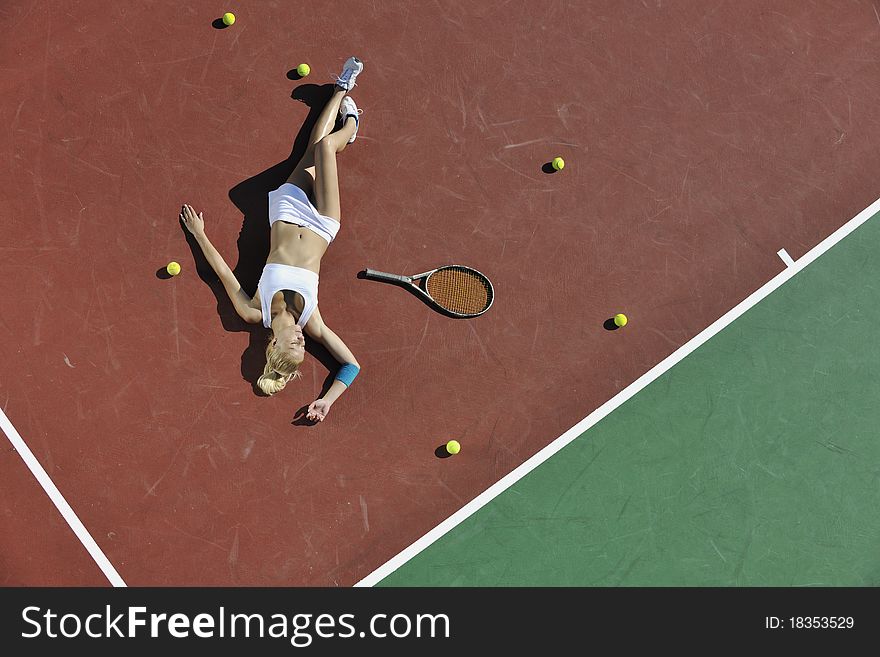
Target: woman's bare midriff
296	246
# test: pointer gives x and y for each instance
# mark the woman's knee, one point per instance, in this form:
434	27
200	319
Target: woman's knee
325	146
329	146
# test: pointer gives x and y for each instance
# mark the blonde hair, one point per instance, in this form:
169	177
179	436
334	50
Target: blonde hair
280	368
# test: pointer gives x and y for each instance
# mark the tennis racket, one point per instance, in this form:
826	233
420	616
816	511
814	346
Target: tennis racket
456	290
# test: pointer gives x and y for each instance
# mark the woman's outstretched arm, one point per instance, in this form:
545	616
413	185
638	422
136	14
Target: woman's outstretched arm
195	224
320	332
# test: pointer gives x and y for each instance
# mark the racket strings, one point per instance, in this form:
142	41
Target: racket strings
460	291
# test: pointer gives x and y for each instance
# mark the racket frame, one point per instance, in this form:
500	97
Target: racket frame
411	282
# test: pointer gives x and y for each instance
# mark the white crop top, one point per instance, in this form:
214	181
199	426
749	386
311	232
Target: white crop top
277	277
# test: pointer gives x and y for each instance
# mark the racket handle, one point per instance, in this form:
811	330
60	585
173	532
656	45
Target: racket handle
382	276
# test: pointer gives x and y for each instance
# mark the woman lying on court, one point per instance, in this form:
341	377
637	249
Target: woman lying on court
301	230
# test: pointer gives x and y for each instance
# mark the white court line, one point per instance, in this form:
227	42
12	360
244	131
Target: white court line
787	259
58	500
655	372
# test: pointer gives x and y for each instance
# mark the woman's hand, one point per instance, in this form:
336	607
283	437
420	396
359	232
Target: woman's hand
195	223
318	410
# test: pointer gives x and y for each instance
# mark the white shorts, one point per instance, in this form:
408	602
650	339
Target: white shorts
291	205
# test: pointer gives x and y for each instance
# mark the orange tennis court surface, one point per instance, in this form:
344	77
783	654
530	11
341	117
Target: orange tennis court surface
699	140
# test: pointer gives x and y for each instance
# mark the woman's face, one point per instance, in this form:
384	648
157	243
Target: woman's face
291	340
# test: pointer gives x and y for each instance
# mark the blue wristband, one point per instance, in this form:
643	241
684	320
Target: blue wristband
347	373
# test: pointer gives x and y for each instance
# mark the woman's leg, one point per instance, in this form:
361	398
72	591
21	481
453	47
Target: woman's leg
303	175
326	175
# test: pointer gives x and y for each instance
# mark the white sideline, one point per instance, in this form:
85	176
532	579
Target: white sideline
662	367
58	500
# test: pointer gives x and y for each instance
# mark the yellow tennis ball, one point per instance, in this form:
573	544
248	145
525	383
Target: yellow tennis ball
558	163
620	319
453	447
173	268
303	70
228	18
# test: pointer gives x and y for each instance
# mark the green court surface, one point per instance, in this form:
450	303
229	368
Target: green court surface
753	462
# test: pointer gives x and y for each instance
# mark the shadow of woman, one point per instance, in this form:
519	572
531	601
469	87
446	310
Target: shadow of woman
251	197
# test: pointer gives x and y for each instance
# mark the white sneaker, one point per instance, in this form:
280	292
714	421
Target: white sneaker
348	108
350	70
